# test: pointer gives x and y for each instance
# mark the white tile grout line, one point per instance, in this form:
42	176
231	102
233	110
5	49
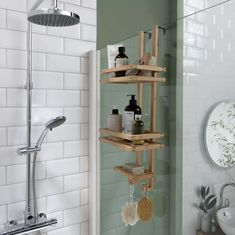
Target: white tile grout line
85	56
27	8
51	35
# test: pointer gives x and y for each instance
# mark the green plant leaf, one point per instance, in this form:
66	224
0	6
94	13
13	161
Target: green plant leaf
202	207
203	192
212	203
209	200
207	190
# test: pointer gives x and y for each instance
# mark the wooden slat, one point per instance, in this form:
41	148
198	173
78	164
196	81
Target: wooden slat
132	79
147	136
133	178
140	94
153	105
155	42
129	147
141	44
140	86
150	68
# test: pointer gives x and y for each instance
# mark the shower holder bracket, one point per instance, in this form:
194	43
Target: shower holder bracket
29	86
28	150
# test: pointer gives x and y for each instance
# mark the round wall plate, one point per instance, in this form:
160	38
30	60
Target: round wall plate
220	134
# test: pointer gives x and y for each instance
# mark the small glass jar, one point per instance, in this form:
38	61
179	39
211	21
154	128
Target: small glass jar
138	128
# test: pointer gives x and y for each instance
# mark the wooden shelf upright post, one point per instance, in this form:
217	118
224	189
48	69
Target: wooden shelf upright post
140	85
153	106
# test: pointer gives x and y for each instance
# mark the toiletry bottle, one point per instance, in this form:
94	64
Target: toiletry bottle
115	121
138	128
120	60
213	225
129	115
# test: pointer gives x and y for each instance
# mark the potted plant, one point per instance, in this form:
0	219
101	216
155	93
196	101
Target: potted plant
208	201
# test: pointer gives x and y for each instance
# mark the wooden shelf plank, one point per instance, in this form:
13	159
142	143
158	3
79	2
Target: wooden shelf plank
147	136
133	66
132	79
128	146
134	178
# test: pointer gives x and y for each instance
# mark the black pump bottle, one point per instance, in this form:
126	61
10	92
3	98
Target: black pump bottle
129	115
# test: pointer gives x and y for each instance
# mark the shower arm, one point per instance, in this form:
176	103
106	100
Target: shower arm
36	5
39	2
54	3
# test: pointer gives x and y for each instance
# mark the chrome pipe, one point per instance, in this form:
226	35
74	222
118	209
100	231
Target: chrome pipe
36	5
29	86
22	229
54	4
221	203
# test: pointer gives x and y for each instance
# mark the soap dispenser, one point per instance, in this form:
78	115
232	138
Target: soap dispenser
130	113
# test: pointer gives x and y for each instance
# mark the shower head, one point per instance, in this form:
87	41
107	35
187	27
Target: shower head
55	122
53	17
49	126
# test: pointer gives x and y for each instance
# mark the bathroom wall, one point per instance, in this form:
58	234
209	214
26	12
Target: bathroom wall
60	76
208	78
136	15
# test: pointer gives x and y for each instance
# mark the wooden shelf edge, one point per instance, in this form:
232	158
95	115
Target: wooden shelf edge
128	146
133	79
133	178
147	136
133	66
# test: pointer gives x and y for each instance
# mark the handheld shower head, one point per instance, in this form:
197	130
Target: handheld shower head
55	122
49	126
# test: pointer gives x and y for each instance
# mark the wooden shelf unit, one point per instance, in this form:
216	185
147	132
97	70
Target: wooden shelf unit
132	177
147	136
124	141
129	146
132	79
134	66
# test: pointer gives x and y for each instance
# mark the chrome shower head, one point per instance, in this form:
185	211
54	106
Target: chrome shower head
49	126
53	17
55	122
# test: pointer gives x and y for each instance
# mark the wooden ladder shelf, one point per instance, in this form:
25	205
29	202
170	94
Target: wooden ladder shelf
126	142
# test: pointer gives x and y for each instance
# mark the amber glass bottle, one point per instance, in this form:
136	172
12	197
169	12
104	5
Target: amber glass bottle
120	60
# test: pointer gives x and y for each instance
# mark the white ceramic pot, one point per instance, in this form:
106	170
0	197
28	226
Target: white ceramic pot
205	223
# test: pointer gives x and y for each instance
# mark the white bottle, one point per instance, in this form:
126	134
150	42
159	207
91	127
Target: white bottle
115	121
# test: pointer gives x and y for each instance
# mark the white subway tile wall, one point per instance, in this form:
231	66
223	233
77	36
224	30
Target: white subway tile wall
208	78
60	78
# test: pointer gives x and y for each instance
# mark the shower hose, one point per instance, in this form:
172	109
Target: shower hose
35	204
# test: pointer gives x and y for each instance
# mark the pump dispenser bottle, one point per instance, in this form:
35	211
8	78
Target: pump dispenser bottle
129	115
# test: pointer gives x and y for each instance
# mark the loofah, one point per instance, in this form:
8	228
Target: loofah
129	213
145	209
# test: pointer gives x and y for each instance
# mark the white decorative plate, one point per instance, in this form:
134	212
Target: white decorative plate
220	134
